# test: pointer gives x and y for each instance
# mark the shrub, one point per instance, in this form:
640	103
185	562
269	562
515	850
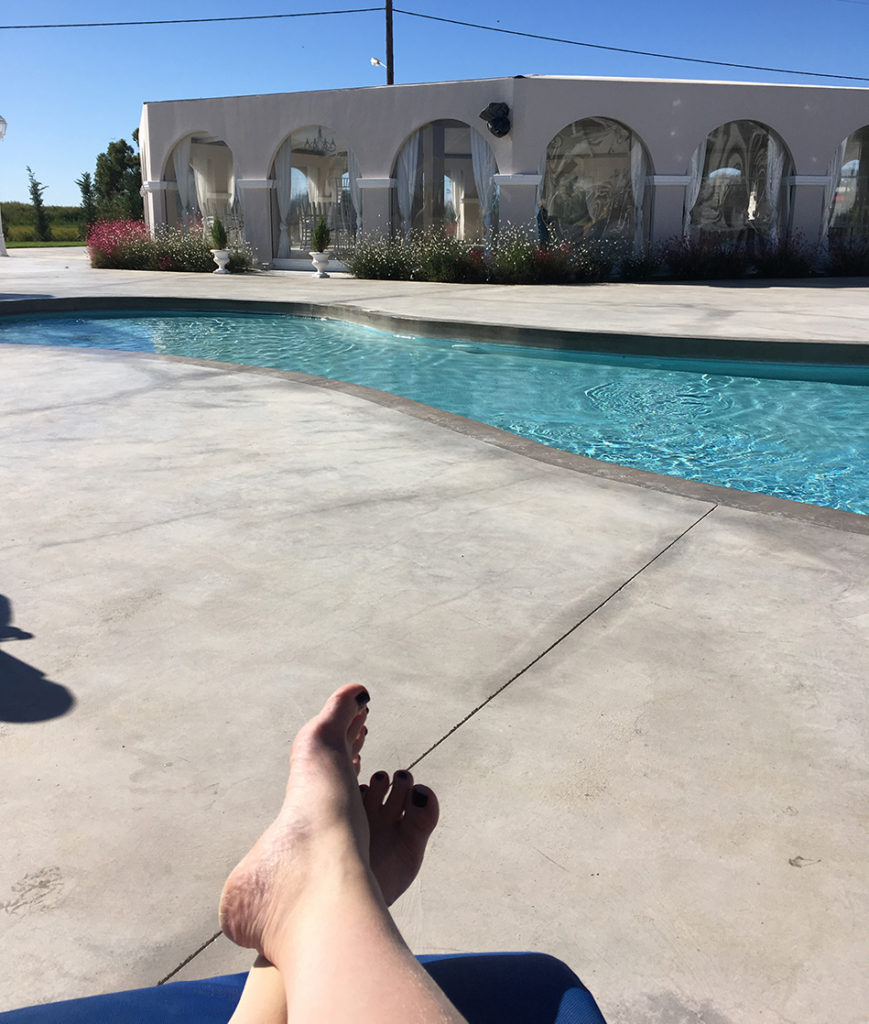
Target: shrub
126	245
182	252
241	259
218	234
120	245
847	258
642	265
554	264
594	261
789	257
41	224
379	259
514	259
437	256
700	259
321	236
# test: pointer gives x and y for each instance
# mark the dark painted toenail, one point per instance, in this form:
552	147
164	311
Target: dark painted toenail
362	698
402	775
418	797
380	776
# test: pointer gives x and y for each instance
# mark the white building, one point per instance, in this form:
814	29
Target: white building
637	159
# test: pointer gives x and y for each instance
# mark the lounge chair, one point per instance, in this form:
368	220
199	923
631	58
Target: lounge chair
487	988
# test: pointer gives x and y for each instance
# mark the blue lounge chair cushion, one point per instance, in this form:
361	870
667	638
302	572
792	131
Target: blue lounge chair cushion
487	988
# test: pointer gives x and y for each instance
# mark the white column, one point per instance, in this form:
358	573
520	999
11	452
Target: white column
807	204
375	197
256	205
517	204
154	195
668	203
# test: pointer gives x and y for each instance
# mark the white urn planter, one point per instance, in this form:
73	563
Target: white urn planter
221	258
320	260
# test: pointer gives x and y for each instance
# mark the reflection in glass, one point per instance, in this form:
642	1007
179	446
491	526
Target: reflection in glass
847	211
738	190
594	183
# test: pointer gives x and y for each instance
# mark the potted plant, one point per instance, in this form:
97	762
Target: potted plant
219	252
320	239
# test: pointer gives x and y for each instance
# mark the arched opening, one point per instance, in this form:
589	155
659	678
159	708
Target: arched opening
738	190
847	213
315	176
203	171
445	179
594	184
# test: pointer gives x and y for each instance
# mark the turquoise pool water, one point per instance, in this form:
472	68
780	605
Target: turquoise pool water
802	439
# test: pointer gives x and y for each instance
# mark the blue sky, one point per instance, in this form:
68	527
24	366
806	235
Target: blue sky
67	93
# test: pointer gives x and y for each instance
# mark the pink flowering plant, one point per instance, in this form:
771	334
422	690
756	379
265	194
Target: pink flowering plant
119	244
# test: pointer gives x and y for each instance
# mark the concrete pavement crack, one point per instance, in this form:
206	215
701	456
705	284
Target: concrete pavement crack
562	638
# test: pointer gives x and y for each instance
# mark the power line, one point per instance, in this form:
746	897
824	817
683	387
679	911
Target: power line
623	49
463	24
196	21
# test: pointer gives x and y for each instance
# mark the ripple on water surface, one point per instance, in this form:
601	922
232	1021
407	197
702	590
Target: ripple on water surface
801	439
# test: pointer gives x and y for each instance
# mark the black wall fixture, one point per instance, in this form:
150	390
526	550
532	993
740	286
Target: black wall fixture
497	118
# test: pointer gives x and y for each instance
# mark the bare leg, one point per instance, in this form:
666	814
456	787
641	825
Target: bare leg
400	820
306	899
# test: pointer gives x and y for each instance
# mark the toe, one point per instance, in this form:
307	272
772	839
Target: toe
338	717
422	811
376	792
396	802
358	732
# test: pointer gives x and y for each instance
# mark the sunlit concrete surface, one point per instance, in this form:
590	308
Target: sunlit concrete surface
644	711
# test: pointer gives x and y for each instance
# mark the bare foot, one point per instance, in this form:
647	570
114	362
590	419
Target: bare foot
400	821
322	822
321	876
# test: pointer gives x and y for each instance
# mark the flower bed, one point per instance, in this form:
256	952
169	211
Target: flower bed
517	257
127	245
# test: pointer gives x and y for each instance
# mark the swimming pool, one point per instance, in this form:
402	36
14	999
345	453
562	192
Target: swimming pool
807	440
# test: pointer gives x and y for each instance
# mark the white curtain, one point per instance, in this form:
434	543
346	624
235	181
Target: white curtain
283	192
831	186
200	180
692	189
408	161
236	218
485	169
181	164
775	162
355	192
638	186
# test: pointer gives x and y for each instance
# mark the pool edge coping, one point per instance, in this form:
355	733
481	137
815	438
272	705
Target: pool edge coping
710	494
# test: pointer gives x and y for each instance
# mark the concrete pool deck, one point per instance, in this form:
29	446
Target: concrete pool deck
643	709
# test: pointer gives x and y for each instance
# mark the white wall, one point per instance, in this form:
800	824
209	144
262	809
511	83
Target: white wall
671	116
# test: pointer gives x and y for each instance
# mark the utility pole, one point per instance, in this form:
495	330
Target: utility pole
390	70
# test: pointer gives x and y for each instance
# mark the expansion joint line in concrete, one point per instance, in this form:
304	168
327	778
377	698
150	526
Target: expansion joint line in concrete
501	689
563	637
187	960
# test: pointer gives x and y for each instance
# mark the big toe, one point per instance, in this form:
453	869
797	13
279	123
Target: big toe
342	716
421	812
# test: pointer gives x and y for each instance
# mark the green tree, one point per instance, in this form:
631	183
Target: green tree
88	198
41	225
118	180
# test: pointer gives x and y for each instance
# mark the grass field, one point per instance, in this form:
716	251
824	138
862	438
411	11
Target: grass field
44	245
